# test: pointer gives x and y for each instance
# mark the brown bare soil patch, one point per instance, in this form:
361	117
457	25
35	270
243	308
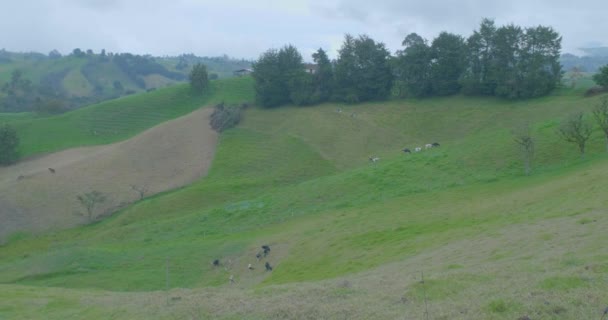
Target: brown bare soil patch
168	156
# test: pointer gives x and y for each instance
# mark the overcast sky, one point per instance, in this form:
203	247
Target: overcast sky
245	28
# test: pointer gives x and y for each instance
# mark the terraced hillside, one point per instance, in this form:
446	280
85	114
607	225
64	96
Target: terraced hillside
348	238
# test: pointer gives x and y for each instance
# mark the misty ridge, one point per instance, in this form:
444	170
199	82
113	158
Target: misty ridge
55	83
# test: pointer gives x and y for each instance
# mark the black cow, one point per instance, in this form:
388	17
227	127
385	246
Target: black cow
216	263
406	150
268	266
436	144
52	170
266	249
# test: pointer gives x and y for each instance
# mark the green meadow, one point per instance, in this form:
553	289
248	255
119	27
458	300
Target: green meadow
350	239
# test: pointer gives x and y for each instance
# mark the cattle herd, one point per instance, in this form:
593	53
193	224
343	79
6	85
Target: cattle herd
374	159
426	146
259	255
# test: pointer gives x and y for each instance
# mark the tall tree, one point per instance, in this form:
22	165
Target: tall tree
600	113
413	66
346	71
9	141
280	78
323	77
576	129
299	83
363	70
199	79
508	50
448	63
539	66
270	90
479	77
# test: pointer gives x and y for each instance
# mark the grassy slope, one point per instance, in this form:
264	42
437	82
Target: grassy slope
119	119
297	178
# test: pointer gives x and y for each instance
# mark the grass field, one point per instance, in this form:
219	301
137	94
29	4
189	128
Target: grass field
350	240
119	119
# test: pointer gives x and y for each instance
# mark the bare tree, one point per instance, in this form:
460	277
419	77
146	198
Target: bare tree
90	200
523	138
141	190
576	129
600	112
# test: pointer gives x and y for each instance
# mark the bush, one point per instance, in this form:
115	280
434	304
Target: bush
9	141
601	77
224	118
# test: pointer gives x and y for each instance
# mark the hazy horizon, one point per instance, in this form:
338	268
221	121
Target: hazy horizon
244	29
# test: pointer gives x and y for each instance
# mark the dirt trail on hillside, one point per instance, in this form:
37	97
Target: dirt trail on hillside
170	155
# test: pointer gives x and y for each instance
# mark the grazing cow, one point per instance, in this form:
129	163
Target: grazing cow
216	263
52	170
268	266
428	146
250	267
374	159
231	278
406	150
417	149
436	144
266	249
258	256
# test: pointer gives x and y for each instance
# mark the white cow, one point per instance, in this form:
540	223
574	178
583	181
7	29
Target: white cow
417	149
428	146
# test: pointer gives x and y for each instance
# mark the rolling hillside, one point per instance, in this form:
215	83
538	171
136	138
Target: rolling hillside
83	78
349	239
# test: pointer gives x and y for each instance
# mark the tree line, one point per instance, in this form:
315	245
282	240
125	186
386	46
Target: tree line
507	61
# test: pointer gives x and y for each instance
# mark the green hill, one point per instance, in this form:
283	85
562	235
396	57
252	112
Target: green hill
349	239
83	78
119	119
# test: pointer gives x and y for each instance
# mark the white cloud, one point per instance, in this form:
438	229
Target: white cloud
244	28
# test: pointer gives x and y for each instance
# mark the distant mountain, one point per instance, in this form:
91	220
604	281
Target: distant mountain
595	52
55	83
591	61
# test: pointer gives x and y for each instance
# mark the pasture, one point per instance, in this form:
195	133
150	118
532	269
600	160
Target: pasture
349	239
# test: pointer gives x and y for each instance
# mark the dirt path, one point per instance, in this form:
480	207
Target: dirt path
170	155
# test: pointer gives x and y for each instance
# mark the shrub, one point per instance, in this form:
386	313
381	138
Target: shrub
225	117
9	141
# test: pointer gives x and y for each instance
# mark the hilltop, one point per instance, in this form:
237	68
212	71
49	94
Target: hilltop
349	238
66	82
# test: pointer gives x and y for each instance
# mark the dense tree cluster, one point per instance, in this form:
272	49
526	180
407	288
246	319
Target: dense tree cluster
507	61
362	72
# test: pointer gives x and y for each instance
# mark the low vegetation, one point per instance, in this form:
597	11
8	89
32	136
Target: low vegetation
226	117
349	239
9	143
601	77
